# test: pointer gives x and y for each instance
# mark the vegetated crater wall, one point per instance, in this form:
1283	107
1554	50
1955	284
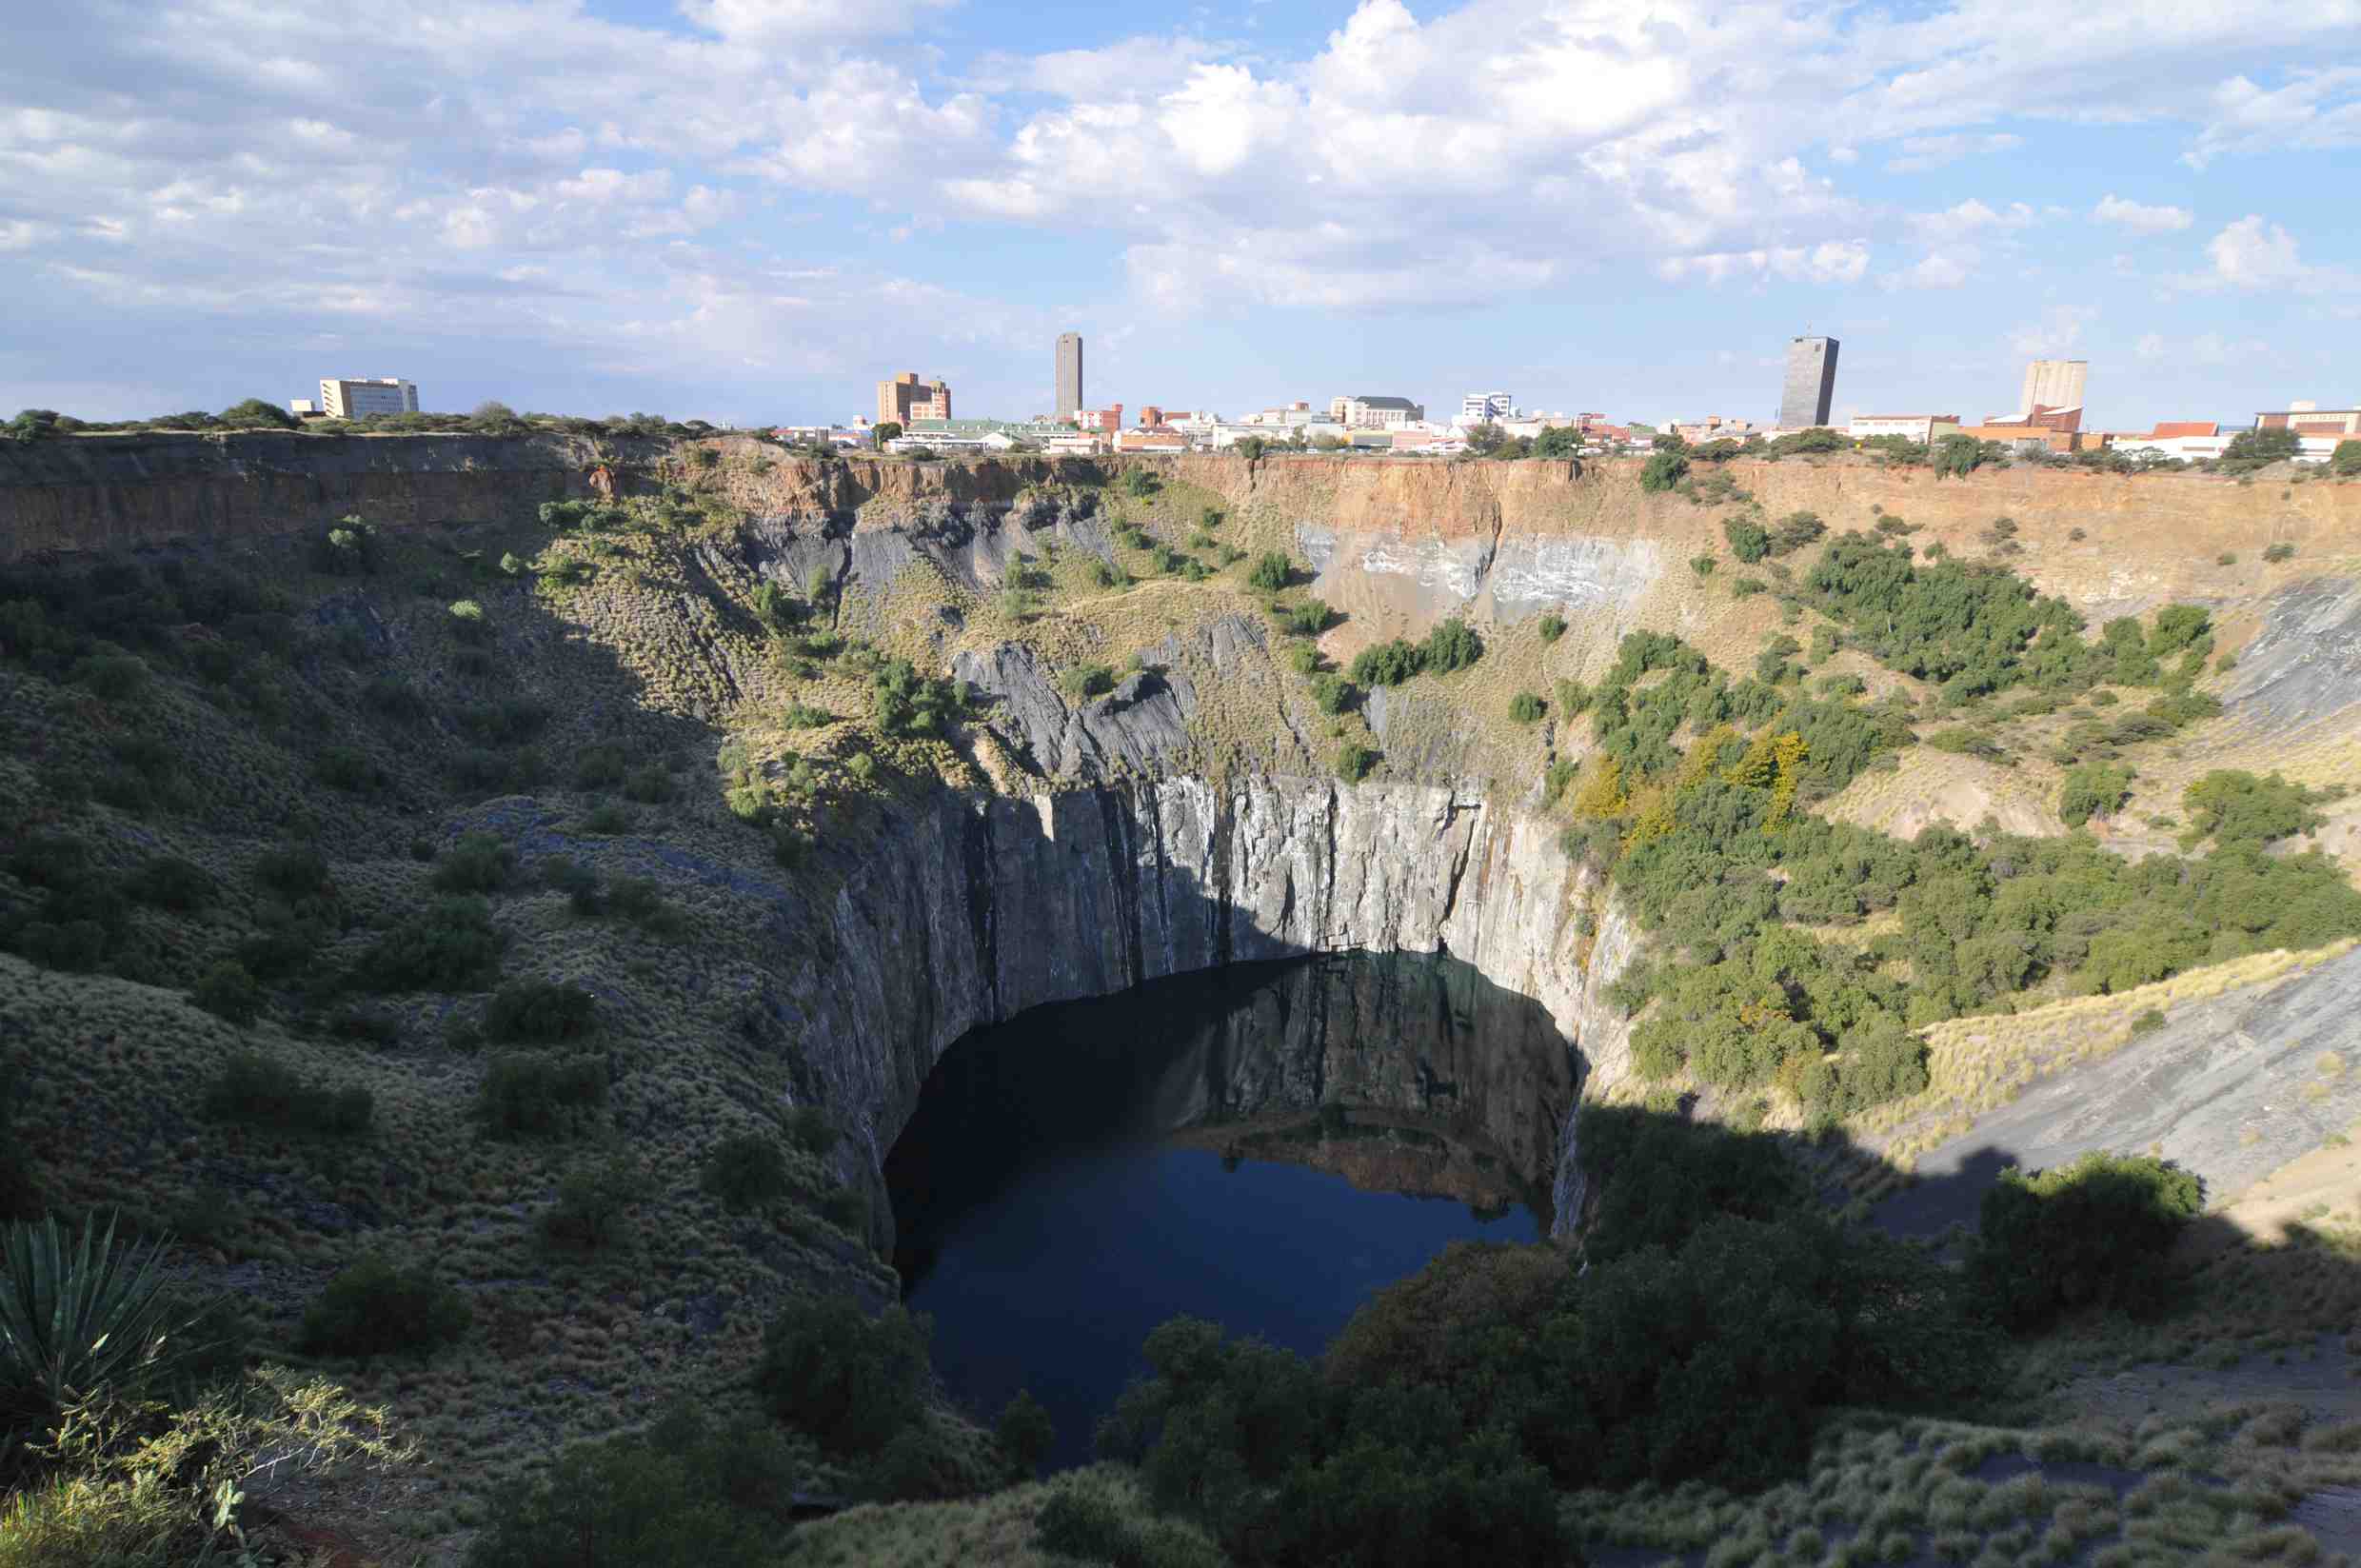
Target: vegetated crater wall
967	913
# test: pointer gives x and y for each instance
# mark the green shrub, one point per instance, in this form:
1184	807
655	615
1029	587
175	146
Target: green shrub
451	945
1088	1526
539	1012
1388	664
1026	1435
1308	619
849	1381
591	1201
166	881
83	1314
1354	761
1748	541
260	1091
479	863
599	767
297	871
809	1129
1702	564
2094	789
1271	573
1746	587
682	1495
468	622
1139	481
1553	626
2148	1021
1526	707
113	677
1303	658
1662	471
2231	807
804	715
528	1095
1084	682
1452	645
375	1309
2281	552
649	786
228	992
576	881
906	703
1332	693
746	1171
2095	1234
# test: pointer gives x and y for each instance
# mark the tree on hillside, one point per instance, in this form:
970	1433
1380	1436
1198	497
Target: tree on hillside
2346	459
34	424
1557	440
254	414
1662	471
886	432
1956	456
2250	449
494	417
1484	440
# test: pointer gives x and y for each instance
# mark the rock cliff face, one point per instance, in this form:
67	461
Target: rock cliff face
961	915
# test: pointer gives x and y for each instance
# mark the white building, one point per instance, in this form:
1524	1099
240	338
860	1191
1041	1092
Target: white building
953	441
352	398
1921	427
1367	412
1075	444
1484	407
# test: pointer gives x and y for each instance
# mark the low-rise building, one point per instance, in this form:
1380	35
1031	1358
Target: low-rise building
1074	444
905	399
1713	428
2026	437
354	398
1151	441
945	441
2067	417
1921	427
1365	412
2309	419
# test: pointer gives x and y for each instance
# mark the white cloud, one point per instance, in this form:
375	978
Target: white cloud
1833	261
2059	330
2252	254
2316	109
2141	219
1970	217
1936	269
1920	154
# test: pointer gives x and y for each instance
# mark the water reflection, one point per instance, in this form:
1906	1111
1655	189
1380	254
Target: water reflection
1264	1145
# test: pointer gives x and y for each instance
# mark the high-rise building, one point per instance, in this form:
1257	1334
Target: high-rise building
1482	408
350	399
1069	376
907	398
2054	384
1811	383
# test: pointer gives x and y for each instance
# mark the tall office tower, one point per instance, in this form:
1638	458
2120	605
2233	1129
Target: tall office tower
2054	384
1069	375
1810	383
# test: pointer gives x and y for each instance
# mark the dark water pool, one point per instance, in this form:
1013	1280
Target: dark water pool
1264	1146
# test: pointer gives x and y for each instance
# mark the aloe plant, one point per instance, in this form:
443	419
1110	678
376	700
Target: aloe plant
77	1315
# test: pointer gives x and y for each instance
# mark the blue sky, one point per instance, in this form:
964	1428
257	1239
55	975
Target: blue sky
752	210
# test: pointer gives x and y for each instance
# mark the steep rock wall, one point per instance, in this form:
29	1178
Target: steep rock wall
964	914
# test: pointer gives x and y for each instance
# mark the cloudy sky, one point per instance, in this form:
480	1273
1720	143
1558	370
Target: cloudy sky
751	209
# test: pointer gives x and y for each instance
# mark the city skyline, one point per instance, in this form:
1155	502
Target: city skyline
749	209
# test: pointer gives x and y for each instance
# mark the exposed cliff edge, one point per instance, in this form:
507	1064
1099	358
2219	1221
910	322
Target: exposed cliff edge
963	914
